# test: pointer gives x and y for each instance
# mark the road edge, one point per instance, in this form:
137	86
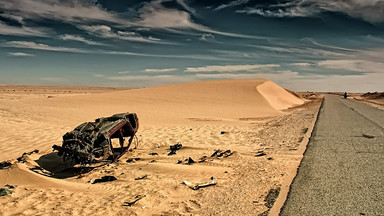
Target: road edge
293	170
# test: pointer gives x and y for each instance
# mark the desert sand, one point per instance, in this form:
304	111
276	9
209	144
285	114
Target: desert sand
265	126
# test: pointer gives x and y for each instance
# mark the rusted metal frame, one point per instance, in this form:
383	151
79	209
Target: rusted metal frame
116	128
68	151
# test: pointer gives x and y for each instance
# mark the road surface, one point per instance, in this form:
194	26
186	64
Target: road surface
342	172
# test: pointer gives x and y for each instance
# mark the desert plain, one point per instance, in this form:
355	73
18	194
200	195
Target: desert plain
265	126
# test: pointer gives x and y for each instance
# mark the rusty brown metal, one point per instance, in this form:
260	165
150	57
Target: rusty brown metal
92	141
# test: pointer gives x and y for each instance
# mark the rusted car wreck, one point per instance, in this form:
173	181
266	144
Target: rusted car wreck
103	139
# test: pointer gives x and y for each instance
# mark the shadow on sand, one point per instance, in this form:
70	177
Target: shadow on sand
60	169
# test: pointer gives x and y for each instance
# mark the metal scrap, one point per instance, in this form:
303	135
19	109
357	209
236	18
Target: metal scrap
93	140
198	186
137	198
104	179
130	160
142	177
5	165
174	148
219	153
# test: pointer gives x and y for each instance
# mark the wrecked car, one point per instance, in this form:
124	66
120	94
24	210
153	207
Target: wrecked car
103	139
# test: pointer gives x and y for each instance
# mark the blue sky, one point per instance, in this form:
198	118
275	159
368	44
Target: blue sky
319	45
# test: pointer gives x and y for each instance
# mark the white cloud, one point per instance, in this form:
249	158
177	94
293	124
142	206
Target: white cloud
232	4
296	11
107	32
369	10
20	54
301	64
231	68
155	15
78	38
363	66
39	46
18	19
186	6
147	80
21	31
99	75
69	11
206	36
54	79
277	76
163	70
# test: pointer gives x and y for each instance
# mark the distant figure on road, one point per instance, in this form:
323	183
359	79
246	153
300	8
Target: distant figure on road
345	95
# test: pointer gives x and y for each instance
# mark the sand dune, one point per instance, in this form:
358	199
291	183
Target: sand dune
253	114
225	99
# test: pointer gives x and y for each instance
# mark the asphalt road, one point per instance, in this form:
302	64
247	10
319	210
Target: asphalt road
342	172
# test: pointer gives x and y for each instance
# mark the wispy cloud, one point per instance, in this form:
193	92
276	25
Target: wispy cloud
205	37
232	4
20	54
21	31
54	79
162	70
39	46
147	80
301	64
370	10
231	68
155	15
67	11
363	66
99	75
78	38
276	76
107	32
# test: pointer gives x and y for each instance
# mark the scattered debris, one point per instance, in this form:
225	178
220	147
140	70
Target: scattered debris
269	158
225	154
179	162
223	132
153	153
130	160
22	157
93	140
10	186
368	136
271	197
305	130
215	153
260	154
5	165
190	161
198	186
218	153
203	159
142	177
175	148
42	171
5	191
152	161
137	198
104	179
